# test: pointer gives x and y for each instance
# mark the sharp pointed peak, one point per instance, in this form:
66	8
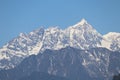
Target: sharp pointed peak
21	34
38	30
83	21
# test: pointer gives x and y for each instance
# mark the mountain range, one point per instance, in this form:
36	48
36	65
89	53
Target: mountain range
93	53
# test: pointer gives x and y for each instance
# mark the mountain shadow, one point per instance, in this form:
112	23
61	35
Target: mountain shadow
67	63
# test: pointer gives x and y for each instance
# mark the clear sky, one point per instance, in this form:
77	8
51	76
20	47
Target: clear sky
18	16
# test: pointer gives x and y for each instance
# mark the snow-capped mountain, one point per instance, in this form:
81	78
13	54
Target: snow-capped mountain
114	38
24	45
81	35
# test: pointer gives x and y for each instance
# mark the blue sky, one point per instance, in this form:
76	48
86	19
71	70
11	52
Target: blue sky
18	16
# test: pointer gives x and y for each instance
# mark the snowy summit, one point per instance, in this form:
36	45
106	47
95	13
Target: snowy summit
81	35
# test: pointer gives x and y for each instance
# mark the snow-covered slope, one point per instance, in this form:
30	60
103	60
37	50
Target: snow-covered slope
114	39
81	35
20	47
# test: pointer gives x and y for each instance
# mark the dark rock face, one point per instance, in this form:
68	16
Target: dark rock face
116	77
71	63
42	76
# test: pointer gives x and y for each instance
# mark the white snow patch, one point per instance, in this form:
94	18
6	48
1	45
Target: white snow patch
106	44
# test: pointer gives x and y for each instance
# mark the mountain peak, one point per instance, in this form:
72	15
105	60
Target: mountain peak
112	35
83	21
